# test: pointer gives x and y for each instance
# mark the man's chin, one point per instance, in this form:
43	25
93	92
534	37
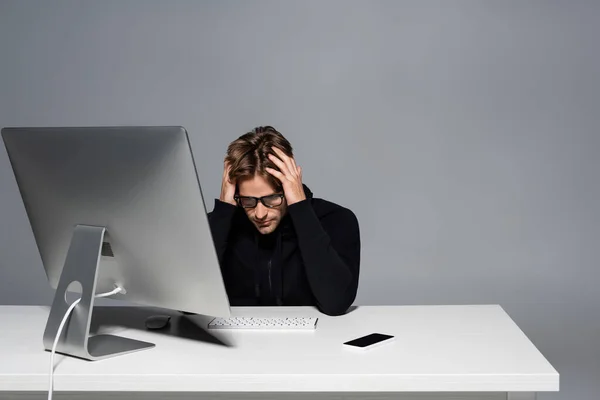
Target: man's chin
266	229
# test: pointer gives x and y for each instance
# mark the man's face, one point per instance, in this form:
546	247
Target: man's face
265	219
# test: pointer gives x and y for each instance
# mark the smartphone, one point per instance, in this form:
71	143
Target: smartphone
369	341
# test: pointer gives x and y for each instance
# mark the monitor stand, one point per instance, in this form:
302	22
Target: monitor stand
81	265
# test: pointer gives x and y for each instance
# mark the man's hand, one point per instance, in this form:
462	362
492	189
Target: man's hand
289	174
227	187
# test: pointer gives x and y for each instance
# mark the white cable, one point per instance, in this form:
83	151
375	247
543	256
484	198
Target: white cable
60	328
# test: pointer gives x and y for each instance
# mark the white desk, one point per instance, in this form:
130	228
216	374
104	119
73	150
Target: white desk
450	352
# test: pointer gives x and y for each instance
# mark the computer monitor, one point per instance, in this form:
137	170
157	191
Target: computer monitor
116	206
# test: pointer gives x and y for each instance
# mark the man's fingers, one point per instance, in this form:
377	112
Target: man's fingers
282	166
289	162
275	173
226	170
226	167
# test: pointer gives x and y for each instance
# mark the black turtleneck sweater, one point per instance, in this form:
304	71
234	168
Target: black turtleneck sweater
311	259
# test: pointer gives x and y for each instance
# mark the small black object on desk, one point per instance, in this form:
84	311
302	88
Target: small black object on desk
154	322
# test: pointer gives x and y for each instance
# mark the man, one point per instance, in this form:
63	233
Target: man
276	243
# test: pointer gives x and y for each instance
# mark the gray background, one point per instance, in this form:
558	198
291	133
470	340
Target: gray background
464	134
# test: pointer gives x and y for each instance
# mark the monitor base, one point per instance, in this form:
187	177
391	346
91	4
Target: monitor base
81	265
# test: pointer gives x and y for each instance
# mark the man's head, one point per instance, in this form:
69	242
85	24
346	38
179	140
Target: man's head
248	158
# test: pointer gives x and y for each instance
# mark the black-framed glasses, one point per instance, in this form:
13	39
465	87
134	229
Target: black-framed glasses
270	201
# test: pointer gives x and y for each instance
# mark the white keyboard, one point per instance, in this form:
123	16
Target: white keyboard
287	323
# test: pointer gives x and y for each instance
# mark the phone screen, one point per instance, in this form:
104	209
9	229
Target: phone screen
368	340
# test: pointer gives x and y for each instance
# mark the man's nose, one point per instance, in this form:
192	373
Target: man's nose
261	211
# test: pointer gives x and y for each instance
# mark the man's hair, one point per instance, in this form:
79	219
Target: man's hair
248	154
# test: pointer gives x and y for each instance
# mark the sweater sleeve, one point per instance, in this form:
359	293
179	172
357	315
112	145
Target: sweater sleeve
330	249
220	220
